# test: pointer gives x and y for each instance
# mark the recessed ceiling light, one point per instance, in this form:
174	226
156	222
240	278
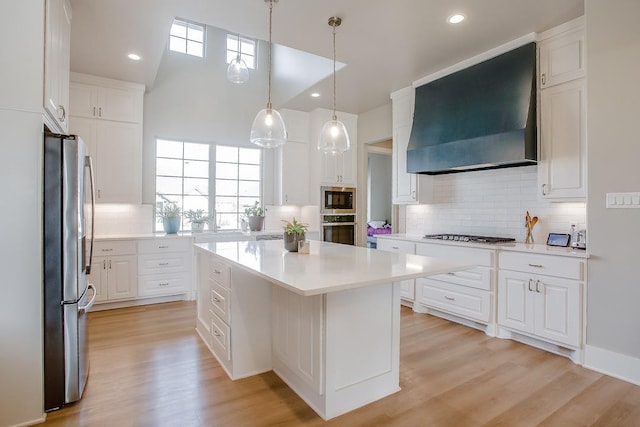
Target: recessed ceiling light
455	19
134	57
315	95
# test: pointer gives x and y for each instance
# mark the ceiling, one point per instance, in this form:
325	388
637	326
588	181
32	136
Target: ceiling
386	44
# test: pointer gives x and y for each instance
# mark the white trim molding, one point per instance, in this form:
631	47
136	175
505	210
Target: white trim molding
614	364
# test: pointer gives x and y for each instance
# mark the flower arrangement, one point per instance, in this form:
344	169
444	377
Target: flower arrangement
255	210
168	210
294	227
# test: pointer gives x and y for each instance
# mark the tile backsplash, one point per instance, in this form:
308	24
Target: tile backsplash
123	219
491	203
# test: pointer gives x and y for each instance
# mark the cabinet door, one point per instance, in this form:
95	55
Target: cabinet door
83	100
118	162
404	184
562	59
557	310
98	277
119	104
516	301
121	282
85	129
562	166
57	54
295	171
407	287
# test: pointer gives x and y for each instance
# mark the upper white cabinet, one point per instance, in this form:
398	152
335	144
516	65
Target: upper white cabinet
107	103
562	162
56	68
107	115
407	188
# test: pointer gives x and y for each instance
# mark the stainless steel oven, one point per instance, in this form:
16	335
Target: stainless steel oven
337	200
339	229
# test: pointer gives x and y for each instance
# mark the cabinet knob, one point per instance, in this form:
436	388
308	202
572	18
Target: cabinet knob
216	299
216	333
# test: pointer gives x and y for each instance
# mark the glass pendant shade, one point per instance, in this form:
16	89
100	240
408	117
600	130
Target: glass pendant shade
268	129
237	71
334	138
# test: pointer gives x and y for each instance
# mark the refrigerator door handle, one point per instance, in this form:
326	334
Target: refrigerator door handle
89	163
88	305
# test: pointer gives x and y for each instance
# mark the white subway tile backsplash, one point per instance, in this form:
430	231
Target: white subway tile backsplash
491	202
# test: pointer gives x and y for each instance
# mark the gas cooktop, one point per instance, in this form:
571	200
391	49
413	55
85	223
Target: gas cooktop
467	238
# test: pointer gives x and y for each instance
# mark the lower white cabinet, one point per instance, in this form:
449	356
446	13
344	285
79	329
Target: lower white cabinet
541	306
407	287
113	270
164	266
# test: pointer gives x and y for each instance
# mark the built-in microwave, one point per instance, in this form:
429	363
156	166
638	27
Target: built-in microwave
337	200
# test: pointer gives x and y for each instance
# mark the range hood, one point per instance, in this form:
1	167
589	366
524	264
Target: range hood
482	117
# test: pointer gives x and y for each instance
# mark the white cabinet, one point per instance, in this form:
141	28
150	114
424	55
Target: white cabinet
164	266
116	150
407	287
56	69
113	271
407	188
562	162
548	307
123	104
339	170
562	168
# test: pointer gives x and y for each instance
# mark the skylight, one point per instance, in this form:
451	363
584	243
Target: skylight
187	37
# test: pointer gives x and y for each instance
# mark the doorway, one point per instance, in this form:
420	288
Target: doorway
379	190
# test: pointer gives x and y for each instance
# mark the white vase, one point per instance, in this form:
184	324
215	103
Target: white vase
197	227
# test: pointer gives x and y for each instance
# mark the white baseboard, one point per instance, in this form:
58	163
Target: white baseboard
32	422
614	364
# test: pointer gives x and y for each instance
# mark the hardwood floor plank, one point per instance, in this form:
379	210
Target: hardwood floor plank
150	368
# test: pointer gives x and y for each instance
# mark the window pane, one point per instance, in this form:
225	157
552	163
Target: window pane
179	29
231	56
227	170
166	148
249	60
194	48
226	187
166	185
246	46
177	44
195	169
247	202
250	155
171	167
227	204
196	202
228	221
196	151
196	186
249	172
232	42
195	33
227	154
249	188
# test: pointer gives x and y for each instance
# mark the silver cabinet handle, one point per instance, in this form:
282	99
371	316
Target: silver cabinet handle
451	273
216	333
529	285
107	250
216	299
413	194
94	112
163	284
544	187
104	264
62	113
100	112
163	247
161	264
449	298
538	286
395	247
536	265
216	271
544	79
109	264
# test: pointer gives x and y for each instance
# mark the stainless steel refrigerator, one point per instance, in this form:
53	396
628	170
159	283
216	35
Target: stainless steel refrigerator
68	214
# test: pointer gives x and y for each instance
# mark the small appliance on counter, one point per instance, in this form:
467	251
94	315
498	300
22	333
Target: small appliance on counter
579	239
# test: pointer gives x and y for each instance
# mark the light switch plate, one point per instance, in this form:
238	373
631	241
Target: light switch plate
623	200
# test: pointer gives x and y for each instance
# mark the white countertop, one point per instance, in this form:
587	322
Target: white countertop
538	248
203	235
329	267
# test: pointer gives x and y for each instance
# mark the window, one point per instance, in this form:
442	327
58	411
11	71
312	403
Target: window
238	172
187	37
183	177
246	48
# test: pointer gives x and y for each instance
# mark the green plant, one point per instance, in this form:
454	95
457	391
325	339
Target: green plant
197	216
294	227
255	210
168	210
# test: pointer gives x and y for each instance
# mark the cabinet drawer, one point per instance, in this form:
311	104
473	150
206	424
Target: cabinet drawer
114	247
162	284
457	253
220	301
477	277
162	263
460	300
163	245
549	265
220	272
396	246
220	338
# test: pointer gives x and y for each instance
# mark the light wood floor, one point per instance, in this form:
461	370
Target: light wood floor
149	368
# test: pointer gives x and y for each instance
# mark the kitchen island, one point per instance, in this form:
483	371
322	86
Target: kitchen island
327	322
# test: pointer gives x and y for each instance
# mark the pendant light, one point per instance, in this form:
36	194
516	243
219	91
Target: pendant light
237	71
334	138
268	130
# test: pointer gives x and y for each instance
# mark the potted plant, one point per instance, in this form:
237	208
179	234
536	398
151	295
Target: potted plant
294	232
255	216
197	219
170	214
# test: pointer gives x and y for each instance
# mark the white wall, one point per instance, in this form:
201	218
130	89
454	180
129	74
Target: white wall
613	99
379	187
21	398
491	202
